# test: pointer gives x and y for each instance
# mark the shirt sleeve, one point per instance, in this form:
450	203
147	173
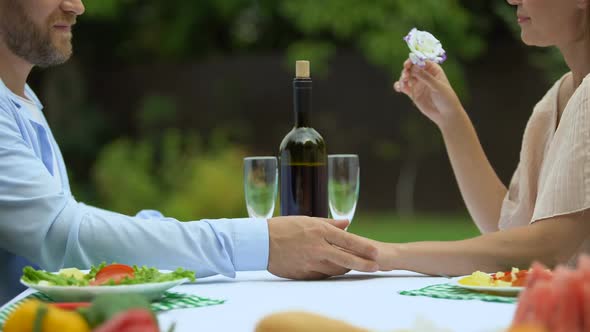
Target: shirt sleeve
564	181
41	222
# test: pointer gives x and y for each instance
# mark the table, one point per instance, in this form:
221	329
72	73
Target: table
367	300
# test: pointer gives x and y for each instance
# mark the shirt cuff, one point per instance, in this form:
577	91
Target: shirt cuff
251	245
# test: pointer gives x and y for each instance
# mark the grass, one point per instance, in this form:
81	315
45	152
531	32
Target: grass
394	228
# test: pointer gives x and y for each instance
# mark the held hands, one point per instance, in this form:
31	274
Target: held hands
315	248
430	91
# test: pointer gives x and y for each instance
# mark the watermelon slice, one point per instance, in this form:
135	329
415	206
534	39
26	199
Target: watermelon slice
586	305
538	272
566	317
557	301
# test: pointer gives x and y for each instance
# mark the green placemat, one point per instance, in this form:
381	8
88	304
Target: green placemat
168	301
450	292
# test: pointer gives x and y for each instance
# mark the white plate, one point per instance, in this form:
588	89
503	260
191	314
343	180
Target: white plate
509	291
151	291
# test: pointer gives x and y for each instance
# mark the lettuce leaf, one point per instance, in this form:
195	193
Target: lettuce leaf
142	274
30	275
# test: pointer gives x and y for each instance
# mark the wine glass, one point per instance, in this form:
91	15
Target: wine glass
343	185
260	186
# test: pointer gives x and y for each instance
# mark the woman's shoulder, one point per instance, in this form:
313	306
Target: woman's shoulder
560	85
548	103
580	97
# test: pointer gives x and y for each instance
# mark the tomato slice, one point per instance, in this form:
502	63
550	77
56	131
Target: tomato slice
521	278
115	272
506	277
522	274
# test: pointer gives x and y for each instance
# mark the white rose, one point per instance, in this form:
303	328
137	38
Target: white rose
424	47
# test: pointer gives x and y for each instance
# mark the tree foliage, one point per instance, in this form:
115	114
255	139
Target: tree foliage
132	31
171	171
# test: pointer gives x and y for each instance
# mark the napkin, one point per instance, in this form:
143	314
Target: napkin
450	292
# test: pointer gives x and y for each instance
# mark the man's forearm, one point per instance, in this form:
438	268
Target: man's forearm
482	190
209	247
81	236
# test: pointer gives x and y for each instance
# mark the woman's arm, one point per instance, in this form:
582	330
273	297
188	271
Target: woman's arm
550	241
482	190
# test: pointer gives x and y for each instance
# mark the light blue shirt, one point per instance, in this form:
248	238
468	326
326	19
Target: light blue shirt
41	220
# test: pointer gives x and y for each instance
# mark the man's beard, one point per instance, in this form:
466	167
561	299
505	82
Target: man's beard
30	42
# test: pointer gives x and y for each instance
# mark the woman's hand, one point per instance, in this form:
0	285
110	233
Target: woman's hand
431	91
315	248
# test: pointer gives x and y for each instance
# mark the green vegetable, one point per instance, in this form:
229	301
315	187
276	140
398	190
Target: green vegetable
33	276
149	274
104	307
94	270
142	274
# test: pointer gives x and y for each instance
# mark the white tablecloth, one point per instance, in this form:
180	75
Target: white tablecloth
367	300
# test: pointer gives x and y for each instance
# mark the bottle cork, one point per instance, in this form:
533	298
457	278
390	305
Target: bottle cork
302	69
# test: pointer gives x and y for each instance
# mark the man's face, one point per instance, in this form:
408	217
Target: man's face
39	31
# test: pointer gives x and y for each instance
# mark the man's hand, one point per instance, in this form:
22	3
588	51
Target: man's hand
316	248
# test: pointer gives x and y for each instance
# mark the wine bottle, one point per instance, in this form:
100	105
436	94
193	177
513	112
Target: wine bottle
303	172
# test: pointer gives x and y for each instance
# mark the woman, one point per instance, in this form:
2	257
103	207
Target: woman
542	215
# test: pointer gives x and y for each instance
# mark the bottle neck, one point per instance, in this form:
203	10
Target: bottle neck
302	101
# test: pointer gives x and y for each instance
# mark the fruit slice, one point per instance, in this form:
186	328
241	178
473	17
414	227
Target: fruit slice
115	272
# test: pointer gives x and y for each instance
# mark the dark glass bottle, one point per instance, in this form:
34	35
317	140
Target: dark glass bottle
303	171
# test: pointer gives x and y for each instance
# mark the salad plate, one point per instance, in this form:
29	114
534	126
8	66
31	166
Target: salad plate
85	285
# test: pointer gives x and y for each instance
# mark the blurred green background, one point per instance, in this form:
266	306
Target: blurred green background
163	99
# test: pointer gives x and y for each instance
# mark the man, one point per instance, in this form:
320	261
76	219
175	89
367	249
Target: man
41	221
